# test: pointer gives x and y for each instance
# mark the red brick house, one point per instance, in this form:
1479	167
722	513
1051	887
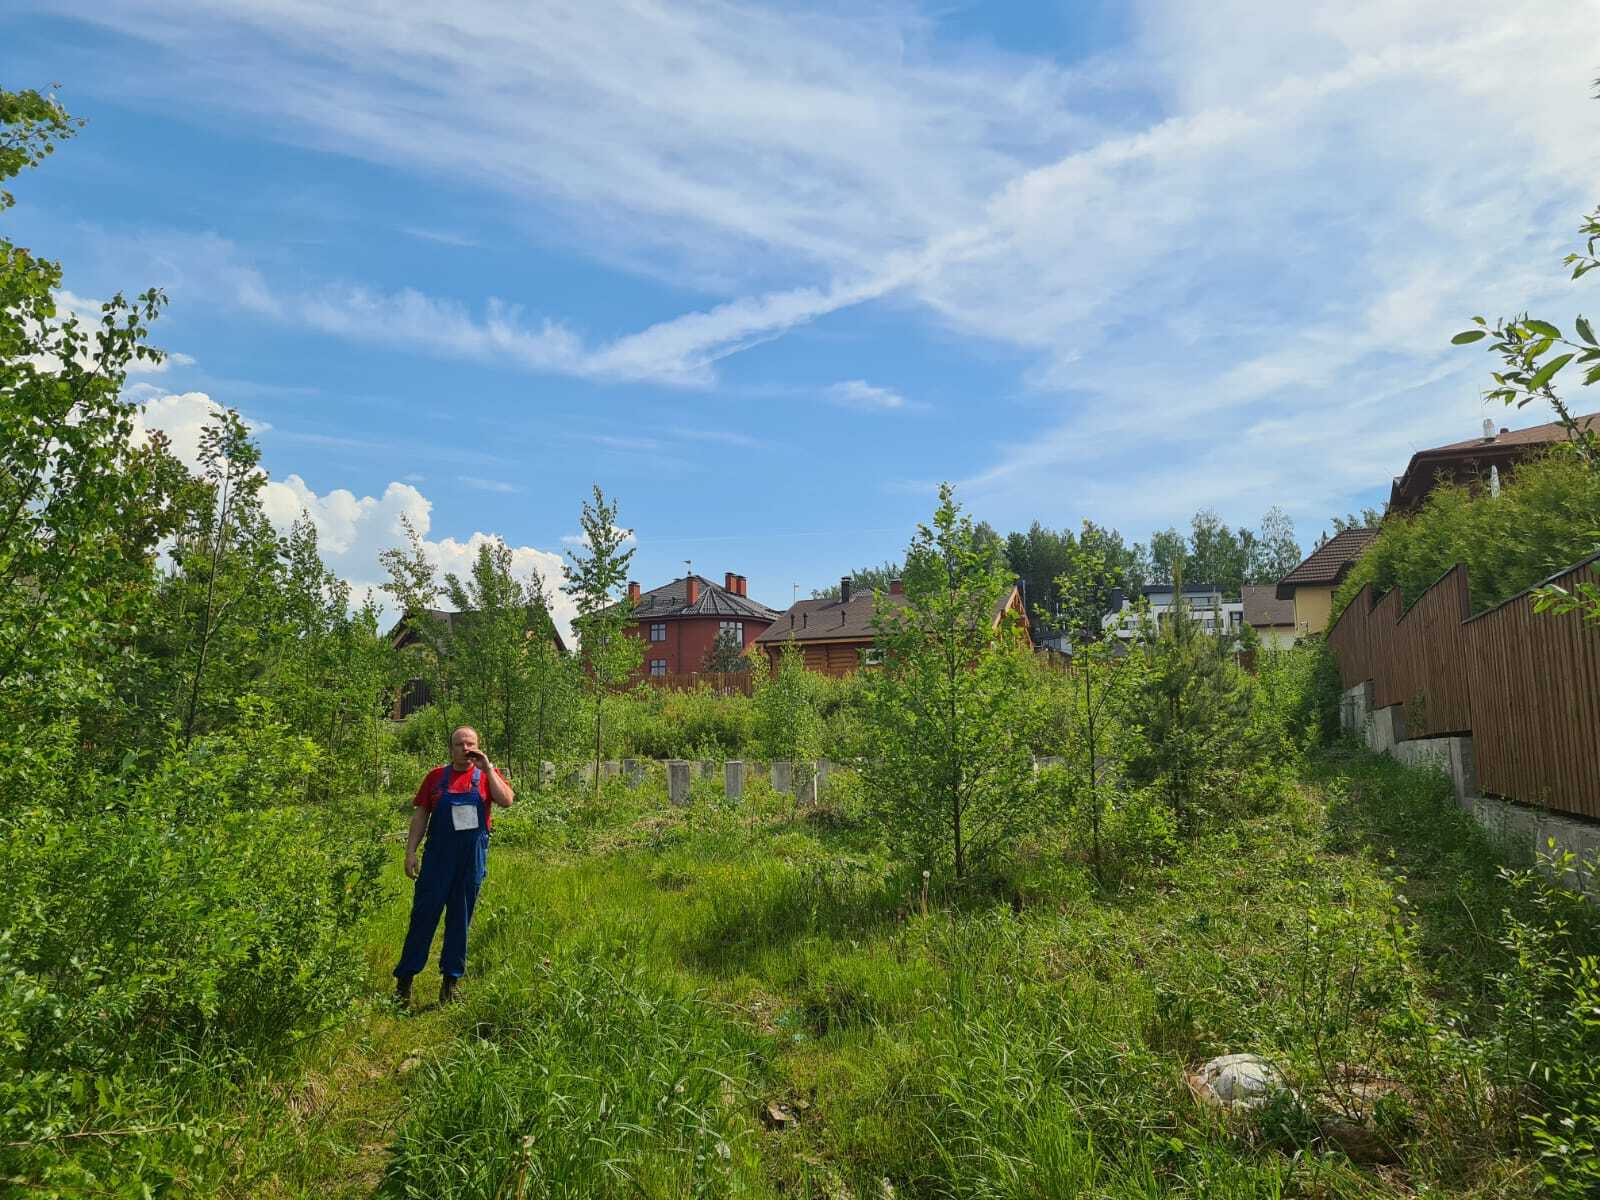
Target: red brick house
680	621
835	636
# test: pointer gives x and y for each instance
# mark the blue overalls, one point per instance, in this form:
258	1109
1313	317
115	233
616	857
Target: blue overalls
454	863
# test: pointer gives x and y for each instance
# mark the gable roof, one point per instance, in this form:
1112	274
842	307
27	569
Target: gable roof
672	600
1326	565
1263	609
1476	455
827	620
842	620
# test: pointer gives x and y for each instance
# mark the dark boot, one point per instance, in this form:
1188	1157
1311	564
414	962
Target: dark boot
402	991
447	988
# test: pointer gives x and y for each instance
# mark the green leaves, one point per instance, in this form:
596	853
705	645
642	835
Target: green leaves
1468	336
1547	372
1544	328
1586	331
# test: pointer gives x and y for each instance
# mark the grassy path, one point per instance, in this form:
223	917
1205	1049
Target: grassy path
739	1003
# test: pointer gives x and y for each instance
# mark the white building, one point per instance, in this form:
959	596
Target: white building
1204	604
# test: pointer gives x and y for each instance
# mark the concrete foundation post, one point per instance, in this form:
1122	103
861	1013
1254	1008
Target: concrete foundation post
678	782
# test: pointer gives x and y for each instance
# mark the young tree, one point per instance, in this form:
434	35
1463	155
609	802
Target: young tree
787	725
223	559
596	575
498	656
947	761
1089	576
726	655
1193	707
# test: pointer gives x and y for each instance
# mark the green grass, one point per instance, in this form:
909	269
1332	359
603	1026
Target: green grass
645	984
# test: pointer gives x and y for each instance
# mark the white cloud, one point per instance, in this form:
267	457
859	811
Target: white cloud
1277	235
858	393
478	483
351	530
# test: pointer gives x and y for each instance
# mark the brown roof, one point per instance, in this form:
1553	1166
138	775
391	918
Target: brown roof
1263	609
839	620
1327	564
671	600
1464	460
827	620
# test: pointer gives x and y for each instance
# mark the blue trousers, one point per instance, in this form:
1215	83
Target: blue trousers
453	867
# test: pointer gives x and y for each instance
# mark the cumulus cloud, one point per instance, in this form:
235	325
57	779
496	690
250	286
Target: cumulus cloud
351	530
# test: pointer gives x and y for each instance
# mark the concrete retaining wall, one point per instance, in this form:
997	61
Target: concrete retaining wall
1523	833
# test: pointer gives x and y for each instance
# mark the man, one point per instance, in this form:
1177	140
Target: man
453	806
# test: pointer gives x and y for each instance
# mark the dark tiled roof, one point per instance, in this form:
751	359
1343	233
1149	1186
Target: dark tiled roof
671	600
1458	461
834	620
1262	608
1327	564
1535	435
824	620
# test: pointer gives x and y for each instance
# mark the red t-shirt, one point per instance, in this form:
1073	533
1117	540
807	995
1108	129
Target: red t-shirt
461	781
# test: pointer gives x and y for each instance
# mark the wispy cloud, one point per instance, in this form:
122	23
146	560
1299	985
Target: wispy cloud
443	237
859	394
1198	243
480	484
720	437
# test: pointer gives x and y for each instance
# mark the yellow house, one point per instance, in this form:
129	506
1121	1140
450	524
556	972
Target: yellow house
1311	584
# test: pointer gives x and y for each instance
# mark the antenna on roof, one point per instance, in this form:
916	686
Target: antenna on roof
794	594
688	568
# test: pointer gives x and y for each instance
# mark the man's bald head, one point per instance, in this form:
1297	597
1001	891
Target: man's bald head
463	743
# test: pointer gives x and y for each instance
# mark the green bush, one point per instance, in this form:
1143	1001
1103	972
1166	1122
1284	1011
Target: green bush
174	923
1542	521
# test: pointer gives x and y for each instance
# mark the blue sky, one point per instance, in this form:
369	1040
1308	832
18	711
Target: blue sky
769	274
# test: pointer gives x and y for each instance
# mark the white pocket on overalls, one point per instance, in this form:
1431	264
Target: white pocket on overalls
463	816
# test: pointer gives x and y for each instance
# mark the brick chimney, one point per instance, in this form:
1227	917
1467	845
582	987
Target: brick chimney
844	590
694	590
633	591
897	587
744	586
730	582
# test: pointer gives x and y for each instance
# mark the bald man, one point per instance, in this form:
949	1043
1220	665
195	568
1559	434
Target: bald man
453	807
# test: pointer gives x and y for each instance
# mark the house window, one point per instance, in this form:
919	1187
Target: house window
736	628
872	658
658	666
658	631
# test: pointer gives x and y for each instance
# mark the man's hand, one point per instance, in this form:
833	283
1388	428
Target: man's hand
413	869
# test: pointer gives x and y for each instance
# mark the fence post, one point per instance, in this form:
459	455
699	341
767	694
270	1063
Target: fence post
733	779
678	782
783	776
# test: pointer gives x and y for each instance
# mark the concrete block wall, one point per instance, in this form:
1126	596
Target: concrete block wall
1523	833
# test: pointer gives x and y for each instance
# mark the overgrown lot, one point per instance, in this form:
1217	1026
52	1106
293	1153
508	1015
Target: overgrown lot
751	1001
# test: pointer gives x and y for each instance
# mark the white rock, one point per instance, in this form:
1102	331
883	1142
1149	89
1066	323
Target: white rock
1237	1081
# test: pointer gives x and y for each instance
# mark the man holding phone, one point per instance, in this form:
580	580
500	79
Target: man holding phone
453	807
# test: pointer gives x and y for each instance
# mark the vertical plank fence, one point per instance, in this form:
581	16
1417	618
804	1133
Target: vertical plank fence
1524	685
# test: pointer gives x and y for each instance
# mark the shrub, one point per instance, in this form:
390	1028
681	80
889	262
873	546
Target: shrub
1542	520
177	919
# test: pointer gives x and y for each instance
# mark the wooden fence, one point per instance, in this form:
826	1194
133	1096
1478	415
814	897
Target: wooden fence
1524	685
721	683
